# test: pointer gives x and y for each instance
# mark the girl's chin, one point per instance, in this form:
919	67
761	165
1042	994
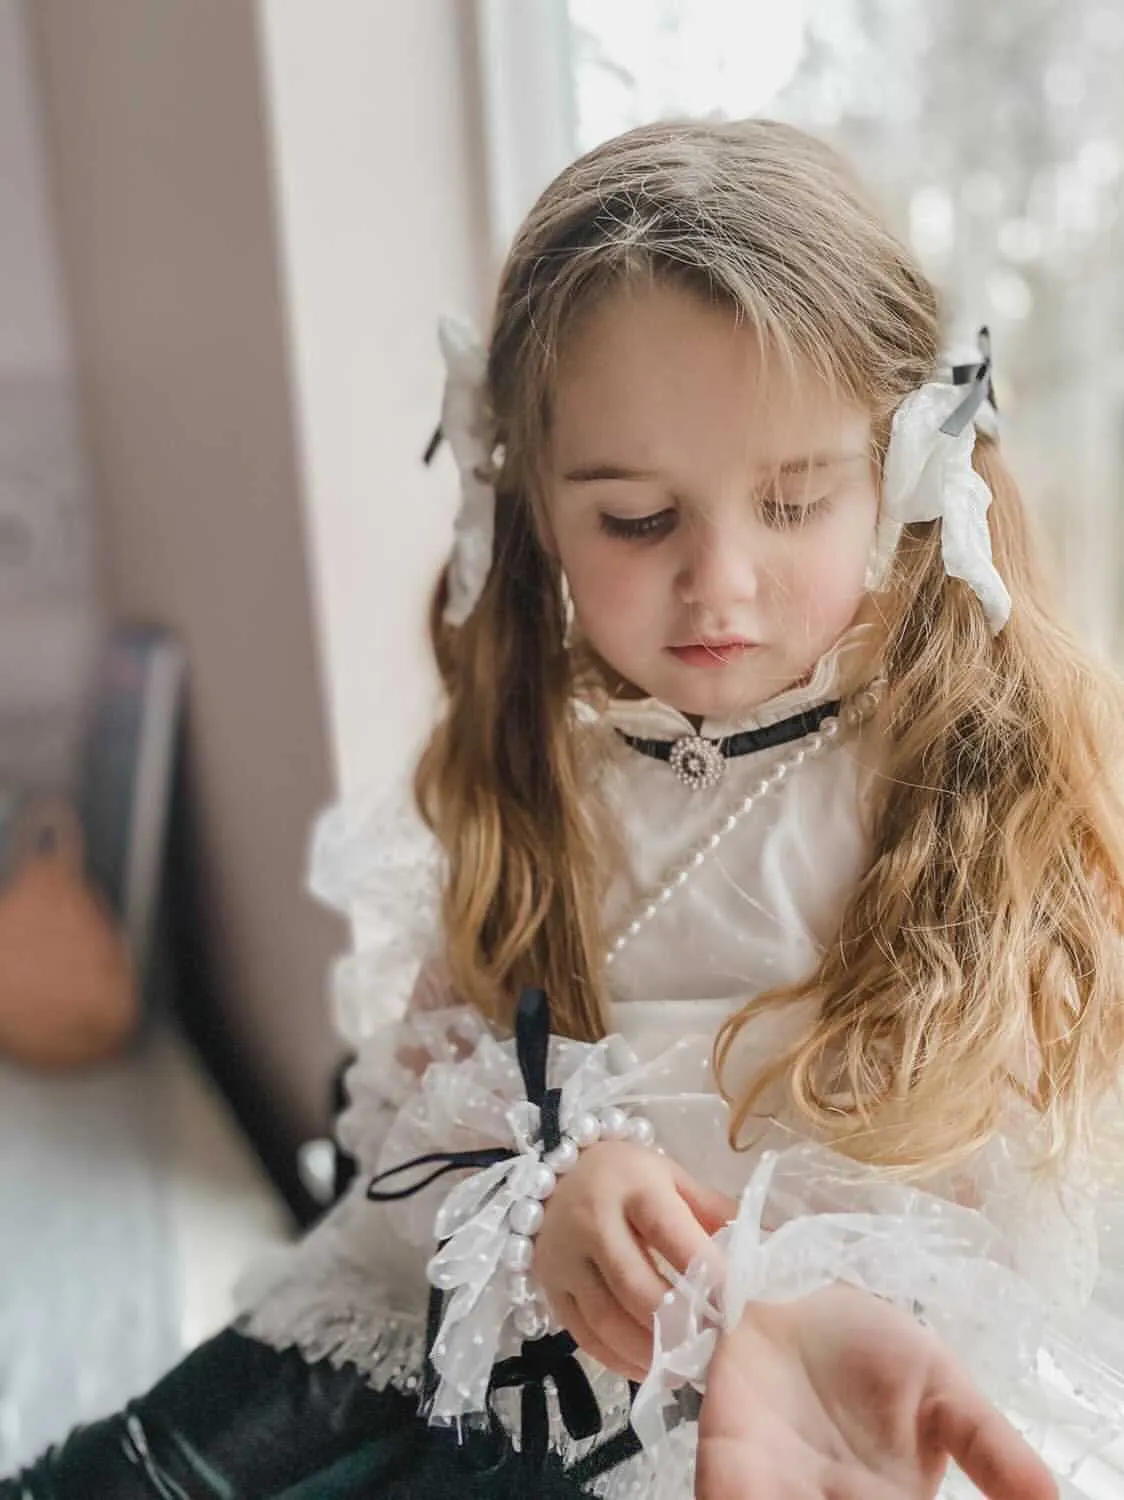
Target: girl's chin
730	700
722	690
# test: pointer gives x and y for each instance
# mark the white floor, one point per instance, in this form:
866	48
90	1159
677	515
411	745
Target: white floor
224	1209
129	1204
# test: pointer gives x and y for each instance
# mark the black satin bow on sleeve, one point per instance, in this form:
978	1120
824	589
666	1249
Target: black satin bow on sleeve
549	1358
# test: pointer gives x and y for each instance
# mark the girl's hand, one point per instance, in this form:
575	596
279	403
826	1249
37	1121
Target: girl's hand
839	1394
605	1220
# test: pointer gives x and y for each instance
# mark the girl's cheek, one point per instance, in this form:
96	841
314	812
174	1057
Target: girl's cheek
617	585
823	585
841	552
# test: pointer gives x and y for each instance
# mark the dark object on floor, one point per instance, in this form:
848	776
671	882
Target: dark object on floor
126	781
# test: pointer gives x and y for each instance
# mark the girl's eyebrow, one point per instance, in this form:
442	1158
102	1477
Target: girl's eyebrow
586	473
592	473
812	461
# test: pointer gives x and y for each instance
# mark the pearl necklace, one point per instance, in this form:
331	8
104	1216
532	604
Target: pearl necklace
812	746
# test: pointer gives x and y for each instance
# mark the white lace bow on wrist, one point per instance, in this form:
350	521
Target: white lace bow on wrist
486	1224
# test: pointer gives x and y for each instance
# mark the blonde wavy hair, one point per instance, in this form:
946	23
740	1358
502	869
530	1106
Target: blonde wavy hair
979	961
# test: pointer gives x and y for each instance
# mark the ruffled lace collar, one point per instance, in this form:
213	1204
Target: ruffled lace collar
648	718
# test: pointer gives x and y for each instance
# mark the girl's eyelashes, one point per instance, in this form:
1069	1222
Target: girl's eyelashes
783	515
638	528
775	512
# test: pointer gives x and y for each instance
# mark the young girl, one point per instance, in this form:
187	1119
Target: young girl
770	785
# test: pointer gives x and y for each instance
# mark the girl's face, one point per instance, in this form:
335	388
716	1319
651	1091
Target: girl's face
713	522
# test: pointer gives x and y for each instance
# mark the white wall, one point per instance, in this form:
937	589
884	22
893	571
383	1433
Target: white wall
381	207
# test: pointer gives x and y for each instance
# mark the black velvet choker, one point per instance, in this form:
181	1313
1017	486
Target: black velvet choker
699	762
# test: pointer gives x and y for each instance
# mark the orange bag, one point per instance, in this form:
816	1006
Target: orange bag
67	989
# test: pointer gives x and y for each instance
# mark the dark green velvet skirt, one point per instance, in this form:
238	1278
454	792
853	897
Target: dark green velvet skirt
238	1420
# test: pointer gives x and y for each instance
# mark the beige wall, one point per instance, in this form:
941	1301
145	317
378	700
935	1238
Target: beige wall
263	209
160	172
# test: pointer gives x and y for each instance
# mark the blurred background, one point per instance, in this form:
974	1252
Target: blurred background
227	230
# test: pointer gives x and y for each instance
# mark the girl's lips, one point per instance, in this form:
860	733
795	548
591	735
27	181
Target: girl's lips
711	654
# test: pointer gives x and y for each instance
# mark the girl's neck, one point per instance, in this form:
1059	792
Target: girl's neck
696	721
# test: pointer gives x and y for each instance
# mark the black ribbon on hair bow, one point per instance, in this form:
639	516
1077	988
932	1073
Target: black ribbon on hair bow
433	445
549	1358
978	376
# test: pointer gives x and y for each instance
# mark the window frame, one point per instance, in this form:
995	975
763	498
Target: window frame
528	105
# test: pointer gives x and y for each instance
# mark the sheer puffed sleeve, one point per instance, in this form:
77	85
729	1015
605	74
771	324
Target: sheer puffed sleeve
353	1290
1025	1287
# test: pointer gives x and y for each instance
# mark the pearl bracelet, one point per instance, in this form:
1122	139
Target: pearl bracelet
533	1181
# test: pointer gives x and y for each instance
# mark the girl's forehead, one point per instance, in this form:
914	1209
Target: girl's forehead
655	371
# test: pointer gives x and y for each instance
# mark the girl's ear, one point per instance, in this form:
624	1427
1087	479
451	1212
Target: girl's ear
569	614
875	569
877	455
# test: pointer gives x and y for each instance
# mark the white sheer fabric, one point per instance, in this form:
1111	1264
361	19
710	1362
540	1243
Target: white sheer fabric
1043	1347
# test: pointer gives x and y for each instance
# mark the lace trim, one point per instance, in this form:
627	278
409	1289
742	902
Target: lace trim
349	1324
809	1218
343	1324
650	718
374	860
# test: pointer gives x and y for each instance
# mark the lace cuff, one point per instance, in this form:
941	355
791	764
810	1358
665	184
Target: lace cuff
809	1217
484	1224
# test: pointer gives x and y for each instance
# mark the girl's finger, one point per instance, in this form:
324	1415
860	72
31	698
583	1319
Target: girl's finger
630	1339
983	1443
627	1270
569	1314
663	1223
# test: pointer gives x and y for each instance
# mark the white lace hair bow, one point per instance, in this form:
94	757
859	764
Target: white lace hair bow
466	424
928	476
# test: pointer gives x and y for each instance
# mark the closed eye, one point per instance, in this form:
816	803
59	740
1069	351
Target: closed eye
784	516
638	528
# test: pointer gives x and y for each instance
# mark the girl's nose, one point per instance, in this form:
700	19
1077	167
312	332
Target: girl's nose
720	569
